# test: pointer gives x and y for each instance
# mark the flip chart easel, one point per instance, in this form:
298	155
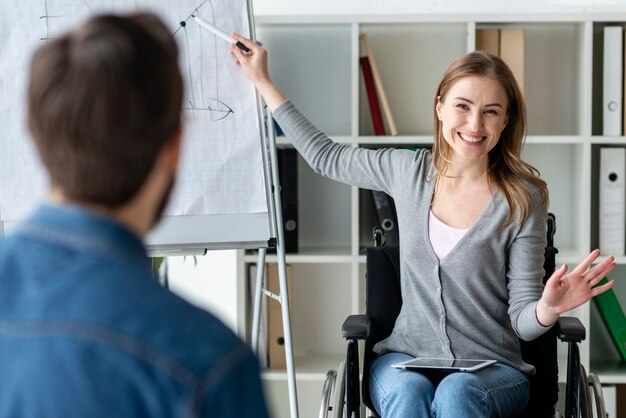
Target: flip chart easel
242	216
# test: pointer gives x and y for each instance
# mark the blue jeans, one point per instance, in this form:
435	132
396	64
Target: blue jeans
496	391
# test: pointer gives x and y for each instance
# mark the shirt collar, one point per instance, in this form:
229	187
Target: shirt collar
77	226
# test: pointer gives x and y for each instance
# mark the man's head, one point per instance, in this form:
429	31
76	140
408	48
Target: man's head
103	101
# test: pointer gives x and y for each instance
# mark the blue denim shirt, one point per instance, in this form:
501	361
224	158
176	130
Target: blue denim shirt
86	331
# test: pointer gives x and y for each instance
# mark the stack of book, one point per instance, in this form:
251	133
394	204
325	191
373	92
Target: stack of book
375	91
507	44
384	204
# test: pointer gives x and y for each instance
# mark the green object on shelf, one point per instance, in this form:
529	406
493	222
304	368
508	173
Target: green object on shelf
613	317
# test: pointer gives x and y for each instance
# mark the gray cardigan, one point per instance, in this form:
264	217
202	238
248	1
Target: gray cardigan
482	295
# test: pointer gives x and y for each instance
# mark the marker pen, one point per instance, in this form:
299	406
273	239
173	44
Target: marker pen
217	31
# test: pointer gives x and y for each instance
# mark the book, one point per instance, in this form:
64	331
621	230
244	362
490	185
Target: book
288	180
612	81
512	52
379	86
488	40
507	44
368	79
613	317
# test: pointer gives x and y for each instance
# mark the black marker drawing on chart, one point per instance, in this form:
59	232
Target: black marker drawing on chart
54	21
198	98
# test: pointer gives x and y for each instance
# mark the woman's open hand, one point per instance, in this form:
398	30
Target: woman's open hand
566	291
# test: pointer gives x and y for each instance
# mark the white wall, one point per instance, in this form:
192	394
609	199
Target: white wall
211	284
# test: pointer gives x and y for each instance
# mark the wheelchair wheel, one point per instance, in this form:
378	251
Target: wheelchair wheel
329	382
584	395
333	393
340	391
595	384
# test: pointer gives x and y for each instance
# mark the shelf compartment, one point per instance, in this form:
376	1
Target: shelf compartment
553	98
560	167
320	291
368	217
324	210
411	59
323	292
301	57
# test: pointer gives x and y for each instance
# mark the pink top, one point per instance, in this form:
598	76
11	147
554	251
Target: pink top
442	236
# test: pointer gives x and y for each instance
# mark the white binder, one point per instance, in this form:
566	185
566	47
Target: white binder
612	200
612	81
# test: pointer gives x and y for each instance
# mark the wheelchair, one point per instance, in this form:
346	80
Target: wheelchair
341	393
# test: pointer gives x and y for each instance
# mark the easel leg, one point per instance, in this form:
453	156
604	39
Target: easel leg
284	303
282	270
258	299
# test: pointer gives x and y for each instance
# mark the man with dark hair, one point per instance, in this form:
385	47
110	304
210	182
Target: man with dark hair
85	330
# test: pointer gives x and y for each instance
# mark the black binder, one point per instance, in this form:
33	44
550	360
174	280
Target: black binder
288	178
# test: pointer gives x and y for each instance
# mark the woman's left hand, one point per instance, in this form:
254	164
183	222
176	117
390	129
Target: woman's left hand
564	292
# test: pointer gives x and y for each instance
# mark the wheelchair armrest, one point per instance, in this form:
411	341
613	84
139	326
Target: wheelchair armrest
356	327
570	330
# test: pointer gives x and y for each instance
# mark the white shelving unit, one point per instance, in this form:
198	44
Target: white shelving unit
314	60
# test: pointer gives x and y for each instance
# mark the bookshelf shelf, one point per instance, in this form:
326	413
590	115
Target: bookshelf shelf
555	139
428	140
312	367
608	140
563	58
395	140
330	256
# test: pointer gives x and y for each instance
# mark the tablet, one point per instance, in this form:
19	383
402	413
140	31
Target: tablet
452	365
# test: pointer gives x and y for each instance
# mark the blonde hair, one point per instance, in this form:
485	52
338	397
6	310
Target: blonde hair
506	170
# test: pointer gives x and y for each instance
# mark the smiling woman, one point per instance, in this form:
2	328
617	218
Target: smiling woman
472	216
480	114
474	110
472	114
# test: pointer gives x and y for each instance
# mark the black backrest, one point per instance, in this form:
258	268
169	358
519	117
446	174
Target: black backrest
384	300
383	303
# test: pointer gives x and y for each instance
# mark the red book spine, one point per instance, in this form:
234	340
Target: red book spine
377	117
